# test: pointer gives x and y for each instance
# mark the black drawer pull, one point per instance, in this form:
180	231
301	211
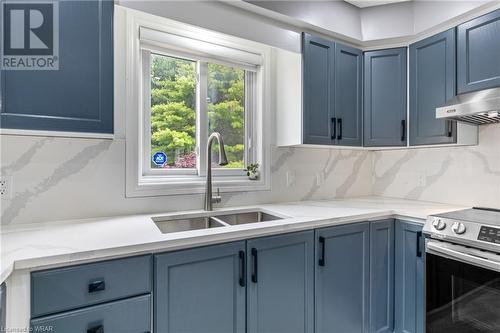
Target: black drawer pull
340	129
96	329
242	268
419	238
334	128
95	286
321	260
403	130
255	263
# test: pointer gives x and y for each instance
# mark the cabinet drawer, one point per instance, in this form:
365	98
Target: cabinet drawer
131	315
67	288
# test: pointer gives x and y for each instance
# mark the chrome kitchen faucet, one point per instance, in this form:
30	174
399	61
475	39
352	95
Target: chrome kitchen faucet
209	198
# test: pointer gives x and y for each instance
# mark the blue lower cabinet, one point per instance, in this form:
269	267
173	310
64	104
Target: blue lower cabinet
280	289
201	290
342	278
63	289
382	276
409	274
2	306
131	315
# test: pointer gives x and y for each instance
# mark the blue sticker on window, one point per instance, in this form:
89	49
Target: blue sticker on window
159	158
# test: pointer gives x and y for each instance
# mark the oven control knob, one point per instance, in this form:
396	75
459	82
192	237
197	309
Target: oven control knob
439	224
458	228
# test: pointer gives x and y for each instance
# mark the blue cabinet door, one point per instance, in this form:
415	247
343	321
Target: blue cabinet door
478	53
318	85
132	315
280	291
348	95
78	97
432	83
382	276
3	301
409	273
201	290
385	97
342	279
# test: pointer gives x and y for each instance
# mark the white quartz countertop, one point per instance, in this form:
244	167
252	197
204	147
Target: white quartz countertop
46	245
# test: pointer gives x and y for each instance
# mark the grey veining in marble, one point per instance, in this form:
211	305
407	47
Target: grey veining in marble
462	175
349	181
64	170
25	158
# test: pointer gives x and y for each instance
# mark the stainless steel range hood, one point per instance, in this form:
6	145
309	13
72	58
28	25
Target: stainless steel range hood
478	107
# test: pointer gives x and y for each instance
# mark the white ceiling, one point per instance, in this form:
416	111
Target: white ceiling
371	3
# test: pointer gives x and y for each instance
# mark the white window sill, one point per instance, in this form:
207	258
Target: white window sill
156	186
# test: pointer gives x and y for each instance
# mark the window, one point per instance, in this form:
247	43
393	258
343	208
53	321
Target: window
189	99
183	84
173	112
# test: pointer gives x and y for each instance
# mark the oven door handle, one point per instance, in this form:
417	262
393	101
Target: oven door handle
464	254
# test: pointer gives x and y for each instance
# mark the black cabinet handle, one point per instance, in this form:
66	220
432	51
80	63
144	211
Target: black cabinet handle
334	128
97	285
450	128
254	265
403	130
321	260
242	268
340	129
96	329
419	238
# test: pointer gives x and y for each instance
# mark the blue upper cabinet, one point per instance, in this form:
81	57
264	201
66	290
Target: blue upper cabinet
280	289
318	104
432	82
342	279
78	97
409	273
332	92
385	97
348	95
201	290
478	53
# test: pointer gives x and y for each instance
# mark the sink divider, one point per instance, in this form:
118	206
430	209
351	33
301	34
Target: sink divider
219	221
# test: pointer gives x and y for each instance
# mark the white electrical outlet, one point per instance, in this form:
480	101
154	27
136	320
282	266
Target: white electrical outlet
421	179
6	187
290	178
320	178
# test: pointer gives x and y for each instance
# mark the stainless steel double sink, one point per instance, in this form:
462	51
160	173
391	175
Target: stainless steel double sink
208	220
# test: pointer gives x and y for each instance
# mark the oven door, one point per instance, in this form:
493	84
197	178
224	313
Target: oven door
462	289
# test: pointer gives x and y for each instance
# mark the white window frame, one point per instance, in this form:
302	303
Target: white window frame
201	116
141	180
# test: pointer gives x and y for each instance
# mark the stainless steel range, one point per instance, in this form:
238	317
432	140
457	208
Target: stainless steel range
463	271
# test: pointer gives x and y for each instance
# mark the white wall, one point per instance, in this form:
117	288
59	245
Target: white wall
223	18
336	16
457	175
377	25
388	21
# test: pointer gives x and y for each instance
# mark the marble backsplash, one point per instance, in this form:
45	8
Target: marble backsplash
61	178
467	176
